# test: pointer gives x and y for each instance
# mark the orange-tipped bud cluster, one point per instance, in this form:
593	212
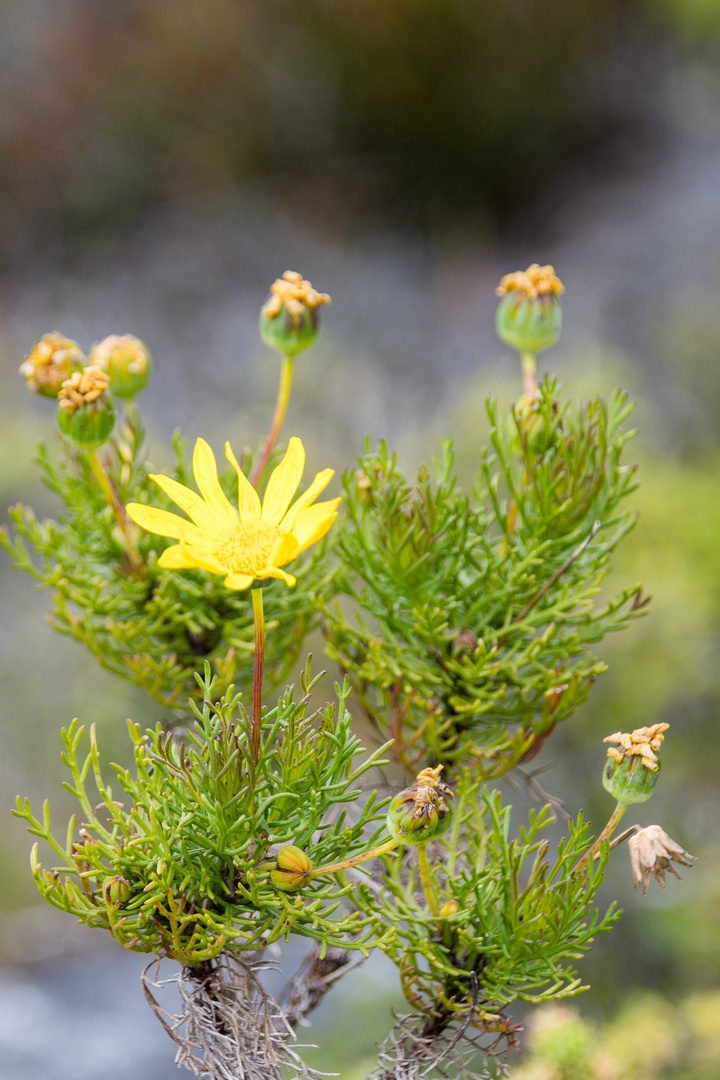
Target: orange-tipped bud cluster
125	360
52	360
632	768
290	318
529	315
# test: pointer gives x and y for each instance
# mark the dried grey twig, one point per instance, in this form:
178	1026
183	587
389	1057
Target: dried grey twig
409	1054
449	1049
229	1027
312	981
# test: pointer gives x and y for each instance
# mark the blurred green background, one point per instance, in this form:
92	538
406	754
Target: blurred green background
162	161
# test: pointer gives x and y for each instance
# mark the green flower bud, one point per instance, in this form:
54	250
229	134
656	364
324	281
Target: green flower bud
529	315
632	768
421	811
450	907
52	360
290	318
85	413
293	869
533	430
126	361
116	890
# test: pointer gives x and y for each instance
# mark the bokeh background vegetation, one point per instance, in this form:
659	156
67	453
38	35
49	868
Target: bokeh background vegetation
162	161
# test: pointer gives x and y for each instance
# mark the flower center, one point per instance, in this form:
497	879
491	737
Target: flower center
248	548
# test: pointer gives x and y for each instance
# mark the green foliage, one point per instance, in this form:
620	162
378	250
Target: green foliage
511	917
473	616
463	621
183	868
150	626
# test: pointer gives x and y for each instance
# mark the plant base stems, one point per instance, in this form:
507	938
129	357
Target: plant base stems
115	505
335	868
277	420
258	673
426	880
529	370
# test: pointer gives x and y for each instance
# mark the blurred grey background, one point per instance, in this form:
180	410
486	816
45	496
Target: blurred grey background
162	161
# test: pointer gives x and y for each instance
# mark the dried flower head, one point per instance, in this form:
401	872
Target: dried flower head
651	852
534	282
422	810
644	743
52	360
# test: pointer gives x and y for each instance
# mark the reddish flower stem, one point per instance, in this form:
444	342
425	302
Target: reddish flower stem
280	409
258	674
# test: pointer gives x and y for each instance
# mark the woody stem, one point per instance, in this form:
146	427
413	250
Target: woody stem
258	673
607	831
334	868
115	505
281	405
426	880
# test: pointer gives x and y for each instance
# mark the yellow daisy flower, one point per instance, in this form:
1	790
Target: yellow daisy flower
255	540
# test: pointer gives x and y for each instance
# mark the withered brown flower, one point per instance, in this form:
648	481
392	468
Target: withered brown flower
651	852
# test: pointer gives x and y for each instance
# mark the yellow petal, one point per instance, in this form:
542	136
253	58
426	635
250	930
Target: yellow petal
313	522
184	557
205	470
186	499
276	572
285	549
248	501
175	558
238	581
319	484
162	522
283	483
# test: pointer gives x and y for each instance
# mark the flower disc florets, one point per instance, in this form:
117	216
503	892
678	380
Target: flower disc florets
85	413
52	360
290	318
421	811
254	541
632	768
126	361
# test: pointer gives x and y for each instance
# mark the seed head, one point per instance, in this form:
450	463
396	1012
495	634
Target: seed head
421	811
651	852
